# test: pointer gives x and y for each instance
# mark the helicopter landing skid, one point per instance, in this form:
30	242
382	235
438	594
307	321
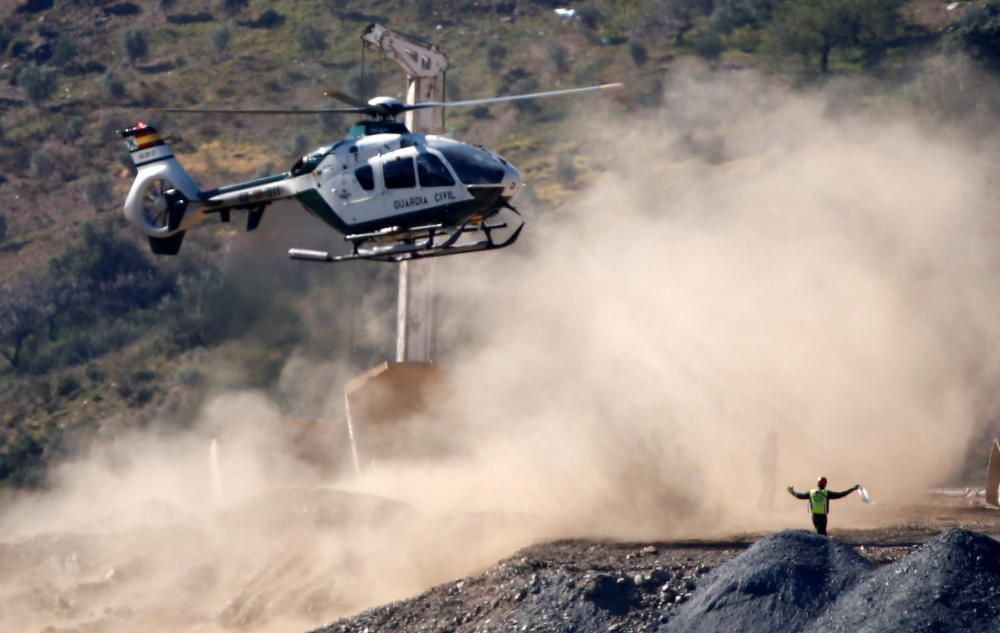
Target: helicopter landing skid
413	243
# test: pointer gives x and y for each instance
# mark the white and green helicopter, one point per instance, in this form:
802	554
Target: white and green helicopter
394	194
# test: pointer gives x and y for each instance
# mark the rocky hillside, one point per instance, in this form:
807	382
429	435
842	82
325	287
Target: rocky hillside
93	331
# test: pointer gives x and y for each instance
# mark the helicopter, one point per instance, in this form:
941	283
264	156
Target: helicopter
395	195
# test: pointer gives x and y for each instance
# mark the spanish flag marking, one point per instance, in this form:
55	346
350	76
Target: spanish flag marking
147	140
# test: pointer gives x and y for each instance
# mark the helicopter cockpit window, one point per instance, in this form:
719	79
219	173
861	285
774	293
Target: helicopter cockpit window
366	177
398	173
472	165
432	172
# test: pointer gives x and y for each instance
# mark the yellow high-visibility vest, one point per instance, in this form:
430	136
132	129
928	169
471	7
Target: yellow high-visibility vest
818	500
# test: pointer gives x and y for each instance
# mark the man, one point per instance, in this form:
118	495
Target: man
768	471
819	501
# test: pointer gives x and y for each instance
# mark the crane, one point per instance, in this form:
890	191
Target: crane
423	63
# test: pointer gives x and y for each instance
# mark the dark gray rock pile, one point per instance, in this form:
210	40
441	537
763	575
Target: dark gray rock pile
782	583
801	582
950	585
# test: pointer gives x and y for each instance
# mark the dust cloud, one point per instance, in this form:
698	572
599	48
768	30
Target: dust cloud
743	263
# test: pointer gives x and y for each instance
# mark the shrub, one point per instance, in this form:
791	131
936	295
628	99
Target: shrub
331	123
558	55
38	84
232	7
565	171
708	44
638	53
113	85
311	38
190	376
589	16
64	385
3	226
425	10
220	38
136	44
978	33
41	164
97	191
269	19
94	372
264	170
495	53
72	130
63	51
357	82
300	144
101	255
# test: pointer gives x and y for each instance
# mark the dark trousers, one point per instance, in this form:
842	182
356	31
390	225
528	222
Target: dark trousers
819	520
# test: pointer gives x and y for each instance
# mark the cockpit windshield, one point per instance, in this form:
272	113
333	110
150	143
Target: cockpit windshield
472	165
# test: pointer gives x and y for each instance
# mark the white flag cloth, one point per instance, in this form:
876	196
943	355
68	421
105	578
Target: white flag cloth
866	498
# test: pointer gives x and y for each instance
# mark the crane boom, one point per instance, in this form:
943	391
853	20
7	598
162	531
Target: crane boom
423	63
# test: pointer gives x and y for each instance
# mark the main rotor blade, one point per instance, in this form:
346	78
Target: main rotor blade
533	95
345	98
259	111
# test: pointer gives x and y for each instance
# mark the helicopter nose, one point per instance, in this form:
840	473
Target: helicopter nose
512	181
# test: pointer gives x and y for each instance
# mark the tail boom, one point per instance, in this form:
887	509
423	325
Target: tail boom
164	201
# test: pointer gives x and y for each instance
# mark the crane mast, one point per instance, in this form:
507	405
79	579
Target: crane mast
423	64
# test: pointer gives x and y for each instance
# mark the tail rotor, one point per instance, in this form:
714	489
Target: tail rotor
155	207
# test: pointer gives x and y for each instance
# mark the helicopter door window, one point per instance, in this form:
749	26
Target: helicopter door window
398	174
366	177
432	172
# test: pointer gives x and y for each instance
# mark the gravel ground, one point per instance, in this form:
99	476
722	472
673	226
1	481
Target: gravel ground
790	581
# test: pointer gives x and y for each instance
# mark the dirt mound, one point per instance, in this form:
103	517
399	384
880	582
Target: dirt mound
950	584
583	587
780	584
790	581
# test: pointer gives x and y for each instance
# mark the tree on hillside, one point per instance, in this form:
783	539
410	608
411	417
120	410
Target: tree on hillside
733	14
312	39
220	38
815	28
978	34
25	309
38	84
136	45
676	17
233	7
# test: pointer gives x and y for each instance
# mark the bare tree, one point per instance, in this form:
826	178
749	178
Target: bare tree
25	309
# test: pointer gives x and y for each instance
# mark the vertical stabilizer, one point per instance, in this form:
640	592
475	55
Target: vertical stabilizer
158	200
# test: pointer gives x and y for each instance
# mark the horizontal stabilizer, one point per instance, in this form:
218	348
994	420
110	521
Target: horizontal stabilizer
166	245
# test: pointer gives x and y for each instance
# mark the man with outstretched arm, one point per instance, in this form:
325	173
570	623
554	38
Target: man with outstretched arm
819	501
